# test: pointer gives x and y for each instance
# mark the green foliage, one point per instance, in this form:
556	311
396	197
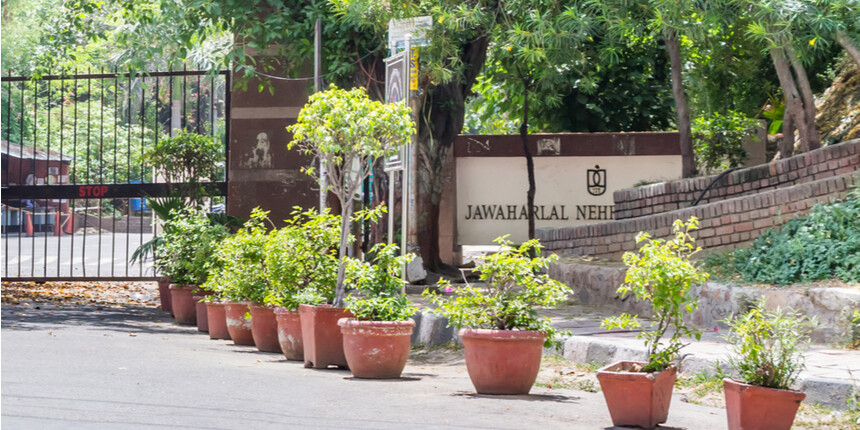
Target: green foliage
186	254
514	291
769	345
348	132
662	273
379	285
241	273
187	157
823	244
301	261
718	140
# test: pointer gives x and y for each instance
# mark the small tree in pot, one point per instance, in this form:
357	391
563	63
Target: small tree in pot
376	341
768	356
660	273
502	332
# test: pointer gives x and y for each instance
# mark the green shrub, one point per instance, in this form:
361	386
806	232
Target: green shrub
189	244
821	245
718	140
768	345
514	291
378	286
661	273
241	274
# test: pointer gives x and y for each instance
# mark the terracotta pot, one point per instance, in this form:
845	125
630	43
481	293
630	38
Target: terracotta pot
182	302
237	325
264	328
164	295
636	398
376	349
290	333
750	407
502	361
202	317
216	315
321	336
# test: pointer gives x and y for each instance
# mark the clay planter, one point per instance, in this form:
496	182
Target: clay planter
636	398
202	317
321	336
164	295
290	333
502	361
750	407
216	315
182	302
264	328
237	325
376	349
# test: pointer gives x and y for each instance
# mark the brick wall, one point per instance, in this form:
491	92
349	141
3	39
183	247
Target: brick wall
822	163
723	224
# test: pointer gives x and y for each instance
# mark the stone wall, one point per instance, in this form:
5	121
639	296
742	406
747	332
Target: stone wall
723	224
833	160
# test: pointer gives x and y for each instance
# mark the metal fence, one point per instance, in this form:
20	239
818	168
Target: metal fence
73	167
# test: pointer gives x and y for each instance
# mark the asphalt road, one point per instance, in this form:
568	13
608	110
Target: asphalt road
132	368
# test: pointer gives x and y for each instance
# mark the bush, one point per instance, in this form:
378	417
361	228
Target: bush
379	286
662	273
241	274
768	346
515	289
719	140
821	245
189	243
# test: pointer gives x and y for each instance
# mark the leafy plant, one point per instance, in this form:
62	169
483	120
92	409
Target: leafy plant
301	261
822	244
189	245
719	139
662	273
348	132
241	273
379	285
187	158
768	345
514	291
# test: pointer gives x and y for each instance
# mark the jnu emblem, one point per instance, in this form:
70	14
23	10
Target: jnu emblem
596	181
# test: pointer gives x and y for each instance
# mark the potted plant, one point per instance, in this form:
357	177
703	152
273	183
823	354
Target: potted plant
189	243
501	330
301	266
347	132
376	341
768	356
216	317
240	281
638	393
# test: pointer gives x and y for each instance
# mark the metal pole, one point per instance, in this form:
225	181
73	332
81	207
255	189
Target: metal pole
405	177
318	88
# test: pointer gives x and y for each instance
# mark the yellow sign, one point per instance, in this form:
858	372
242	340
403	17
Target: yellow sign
413	69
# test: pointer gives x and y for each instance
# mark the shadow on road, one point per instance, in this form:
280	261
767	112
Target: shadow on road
128	319
527	397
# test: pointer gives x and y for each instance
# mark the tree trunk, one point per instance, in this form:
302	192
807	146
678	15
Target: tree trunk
793	102
439	122
849	46
530	163
786	144
688	160
814	141
345	228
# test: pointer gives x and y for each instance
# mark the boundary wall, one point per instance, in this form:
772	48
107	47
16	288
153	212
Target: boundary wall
829	161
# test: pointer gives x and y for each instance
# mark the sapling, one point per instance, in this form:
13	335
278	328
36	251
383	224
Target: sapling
661	273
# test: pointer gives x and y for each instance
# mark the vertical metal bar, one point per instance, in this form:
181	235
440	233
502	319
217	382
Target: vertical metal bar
184	121
142	163
199	96
8	173
227	101
115	167
75	174
101	166
21	204
212	106
60	172
33	169
87	201
47	181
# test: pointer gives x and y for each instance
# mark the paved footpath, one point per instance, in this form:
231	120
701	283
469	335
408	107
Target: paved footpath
113	368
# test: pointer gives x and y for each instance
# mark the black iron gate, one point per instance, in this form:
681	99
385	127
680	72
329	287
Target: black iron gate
74	174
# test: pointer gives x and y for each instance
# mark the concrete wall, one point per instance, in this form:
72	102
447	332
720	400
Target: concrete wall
723	224
822	163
